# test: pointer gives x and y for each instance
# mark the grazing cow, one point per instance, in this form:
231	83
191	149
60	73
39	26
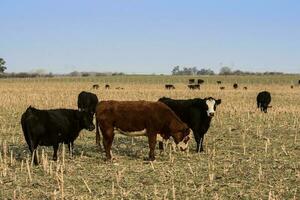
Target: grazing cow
235	85
95	86
292	86
119	88
196	113
245	88
200	81
194	86
107	86
222	88
87	101
169	87
191	81
263	100
219	82
51	127
151	118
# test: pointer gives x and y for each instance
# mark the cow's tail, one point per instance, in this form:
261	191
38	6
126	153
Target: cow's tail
26	122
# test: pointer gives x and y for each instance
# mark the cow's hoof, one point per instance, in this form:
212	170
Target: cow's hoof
149	159
113	159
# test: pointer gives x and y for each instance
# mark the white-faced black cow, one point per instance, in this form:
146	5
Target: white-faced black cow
51	127
263	100
196	113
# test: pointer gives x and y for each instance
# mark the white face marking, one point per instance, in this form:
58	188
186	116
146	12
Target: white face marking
182	146
210	104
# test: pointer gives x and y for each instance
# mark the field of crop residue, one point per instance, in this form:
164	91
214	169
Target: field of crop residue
248	154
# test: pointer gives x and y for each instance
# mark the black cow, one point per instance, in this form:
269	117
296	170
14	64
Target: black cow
191	81
292	86
96	86
263	100
219	82
299	82
245	88
87	101
52	127
222	88
196	113
169	86
107	86
200	81
194	86
235	85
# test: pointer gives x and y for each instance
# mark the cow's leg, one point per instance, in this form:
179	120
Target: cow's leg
97	134
32	148
71	148
201	143
161	145
198	138
160	139
152	144
55	148
108	137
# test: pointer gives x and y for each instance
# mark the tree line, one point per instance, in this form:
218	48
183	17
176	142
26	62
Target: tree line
175	71
223	71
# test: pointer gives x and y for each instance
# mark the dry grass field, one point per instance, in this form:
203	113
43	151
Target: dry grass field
248	154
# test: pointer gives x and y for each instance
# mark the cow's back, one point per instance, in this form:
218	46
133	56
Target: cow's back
182	108
134	115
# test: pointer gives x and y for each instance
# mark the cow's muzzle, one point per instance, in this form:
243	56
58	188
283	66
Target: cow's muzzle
183	145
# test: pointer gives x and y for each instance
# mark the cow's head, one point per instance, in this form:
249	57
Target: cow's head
182	138
86	120
211	105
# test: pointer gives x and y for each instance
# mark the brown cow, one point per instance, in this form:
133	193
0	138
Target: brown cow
151	118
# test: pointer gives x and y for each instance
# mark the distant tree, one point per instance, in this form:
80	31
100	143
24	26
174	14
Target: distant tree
2	67
194	70
175	70
205	72
75	73
225	71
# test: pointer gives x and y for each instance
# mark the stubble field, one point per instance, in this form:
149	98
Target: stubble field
248	154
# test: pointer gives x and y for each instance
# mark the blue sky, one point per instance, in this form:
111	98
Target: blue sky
139	36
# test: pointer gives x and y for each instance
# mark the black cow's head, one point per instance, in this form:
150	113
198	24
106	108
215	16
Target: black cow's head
211	105
86	120
264	107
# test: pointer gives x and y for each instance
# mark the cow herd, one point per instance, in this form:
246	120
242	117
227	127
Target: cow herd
165	118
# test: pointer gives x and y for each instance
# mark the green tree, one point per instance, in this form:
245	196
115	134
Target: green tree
225	71
2	67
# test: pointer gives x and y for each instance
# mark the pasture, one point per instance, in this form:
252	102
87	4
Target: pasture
248	154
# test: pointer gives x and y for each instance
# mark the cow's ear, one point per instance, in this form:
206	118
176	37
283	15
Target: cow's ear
218	101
